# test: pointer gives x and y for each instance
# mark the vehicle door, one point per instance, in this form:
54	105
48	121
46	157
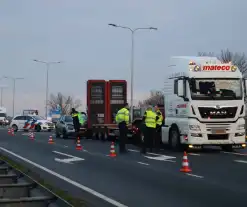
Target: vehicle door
60	124
29	119
20	121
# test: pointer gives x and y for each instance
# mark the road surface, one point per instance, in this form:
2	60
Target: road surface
217	178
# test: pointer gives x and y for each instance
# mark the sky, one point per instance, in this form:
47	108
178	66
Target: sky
77	33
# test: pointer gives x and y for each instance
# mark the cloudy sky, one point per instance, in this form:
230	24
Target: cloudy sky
77	32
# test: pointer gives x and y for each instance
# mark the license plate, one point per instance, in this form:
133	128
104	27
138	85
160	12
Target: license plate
219	131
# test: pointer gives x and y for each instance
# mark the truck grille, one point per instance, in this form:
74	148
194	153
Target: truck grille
213	113
217	136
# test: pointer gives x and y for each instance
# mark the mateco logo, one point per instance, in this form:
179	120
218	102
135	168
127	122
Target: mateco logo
216	67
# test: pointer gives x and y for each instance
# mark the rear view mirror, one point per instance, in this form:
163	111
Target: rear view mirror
181	89
245	87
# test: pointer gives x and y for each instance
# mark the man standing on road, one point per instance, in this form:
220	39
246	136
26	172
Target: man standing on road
75	115
157	138
150	118
122	119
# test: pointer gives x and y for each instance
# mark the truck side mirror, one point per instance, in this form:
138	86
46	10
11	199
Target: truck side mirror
245	87
180	88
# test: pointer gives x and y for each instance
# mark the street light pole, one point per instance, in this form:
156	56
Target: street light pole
132	60
47	82
13	79
2	88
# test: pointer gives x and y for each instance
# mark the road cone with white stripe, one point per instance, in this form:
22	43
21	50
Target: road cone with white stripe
50	141
185	164
78	144
31	136
9	131
12	132
112	150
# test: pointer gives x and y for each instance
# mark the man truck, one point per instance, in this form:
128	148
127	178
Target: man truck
204	104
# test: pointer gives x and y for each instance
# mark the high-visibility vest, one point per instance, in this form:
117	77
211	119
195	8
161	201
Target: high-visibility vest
81	119
74	114
159	121
150	119
122	115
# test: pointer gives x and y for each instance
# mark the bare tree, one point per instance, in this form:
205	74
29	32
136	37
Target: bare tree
65	102
156	97
226	56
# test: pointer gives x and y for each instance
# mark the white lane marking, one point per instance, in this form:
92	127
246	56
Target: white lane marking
143	163
241	161
85	188
193	175
67	160
131	150
234	153
161	158
194	154
150	153
66	146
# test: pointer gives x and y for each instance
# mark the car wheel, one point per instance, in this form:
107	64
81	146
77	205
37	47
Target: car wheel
38	128
64	135
15	128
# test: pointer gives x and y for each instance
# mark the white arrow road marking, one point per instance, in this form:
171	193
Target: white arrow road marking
241	161
67	160
162	158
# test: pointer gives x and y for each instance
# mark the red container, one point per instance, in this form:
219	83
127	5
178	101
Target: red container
116	97
97	103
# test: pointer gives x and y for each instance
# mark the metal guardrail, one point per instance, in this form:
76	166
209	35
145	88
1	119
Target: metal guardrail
17	189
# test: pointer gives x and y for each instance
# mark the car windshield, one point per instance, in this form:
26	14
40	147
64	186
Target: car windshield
68	119
38	118
2	115
216	88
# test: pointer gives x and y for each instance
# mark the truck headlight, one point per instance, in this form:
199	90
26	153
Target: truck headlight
195	127
241	127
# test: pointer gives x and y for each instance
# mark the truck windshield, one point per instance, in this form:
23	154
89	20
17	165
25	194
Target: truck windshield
216	88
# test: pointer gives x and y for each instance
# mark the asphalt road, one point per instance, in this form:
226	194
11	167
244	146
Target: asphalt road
217	179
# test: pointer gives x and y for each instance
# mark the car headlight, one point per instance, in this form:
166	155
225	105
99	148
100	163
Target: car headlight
195	127
241	127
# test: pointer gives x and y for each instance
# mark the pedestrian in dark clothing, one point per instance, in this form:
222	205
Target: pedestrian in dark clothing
76	122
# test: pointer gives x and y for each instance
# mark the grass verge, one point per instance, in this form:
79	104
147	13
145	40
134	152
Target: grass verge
76	202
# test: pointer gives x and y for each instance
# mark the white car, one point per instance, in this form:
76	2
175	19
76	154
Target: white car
31	122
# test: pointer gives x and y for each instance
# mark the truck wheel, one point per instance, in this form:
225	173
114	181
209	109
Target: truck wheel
227	148
174	139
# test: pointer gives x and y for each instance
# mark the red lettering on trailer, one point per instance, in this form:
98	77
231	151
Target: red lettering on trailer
216	67
181	105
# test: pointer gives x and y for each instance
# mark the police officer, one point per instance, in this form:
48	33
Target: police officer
157	139
75	115
122	119
150	118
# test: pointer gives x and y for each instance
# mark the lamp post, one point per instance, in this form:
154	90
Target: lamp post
132	30
2	88
14	80
47	81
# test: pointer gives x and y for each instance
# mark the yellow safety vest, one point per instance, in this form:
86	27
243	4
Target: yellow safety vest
150	119
122	115
159	121
74	114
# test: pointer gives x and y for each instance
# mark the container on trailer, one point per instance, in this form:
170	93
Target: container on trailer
96	102
117	97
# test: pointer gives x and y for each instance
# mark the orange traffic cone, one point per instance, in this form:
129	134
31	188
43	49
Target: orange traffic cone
50	141
31	136
9	131
185	164
78	144
12	132
112	150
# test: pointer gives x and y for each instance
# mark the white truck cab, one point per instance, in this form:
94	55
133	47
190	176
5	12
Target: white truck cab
204	104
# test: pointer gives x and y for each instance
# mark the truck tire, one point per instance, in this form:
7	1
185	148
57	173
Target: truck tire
227	148
174	139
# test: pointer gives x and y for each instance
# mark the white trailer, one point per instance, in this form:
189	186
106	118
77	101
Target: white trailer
204	104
